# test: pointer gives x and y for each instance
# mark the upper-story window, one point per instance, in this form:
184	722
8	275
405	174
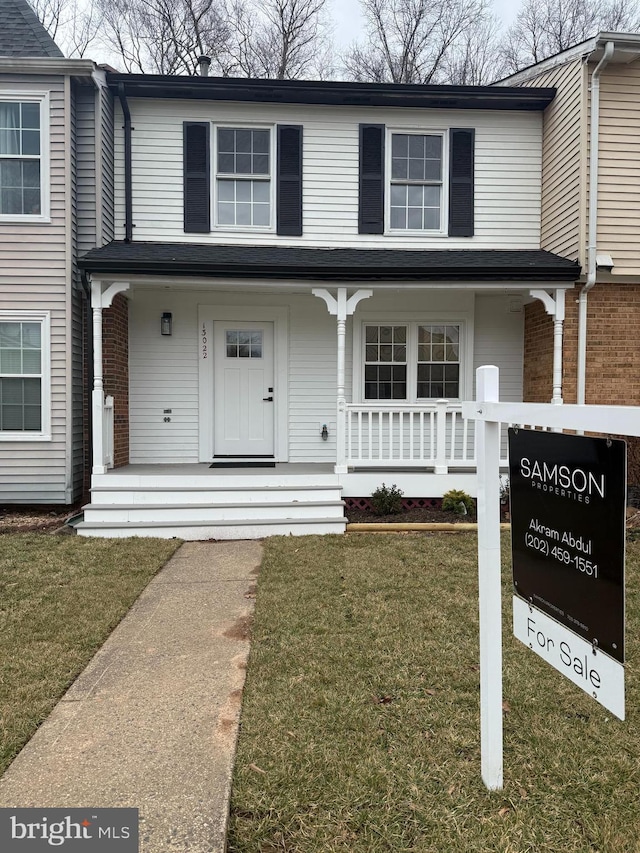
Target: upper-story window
243	177
416	189
416	182
247	178
23	167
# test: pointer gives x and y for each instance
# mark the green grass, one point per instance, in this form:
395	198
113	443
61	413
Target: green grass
360	722
60	598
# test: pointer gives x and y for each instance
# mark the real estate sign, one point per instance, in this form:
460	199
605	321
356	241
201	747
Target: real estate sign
568	537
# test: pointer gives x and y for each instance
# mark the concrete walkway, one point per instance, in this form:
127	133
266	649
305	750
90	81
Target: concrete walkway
152	722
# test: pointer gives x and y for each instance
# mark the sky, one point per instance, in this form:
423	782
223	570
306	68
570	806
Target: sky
348	21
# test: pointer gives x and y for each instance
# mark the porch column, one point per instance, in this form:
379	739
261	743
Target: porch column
341	307
101	297
554	306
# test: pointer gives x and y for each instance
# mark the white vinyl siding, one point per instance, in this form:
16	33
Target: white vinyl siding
164	370
507	170
33	278
163	373
498	340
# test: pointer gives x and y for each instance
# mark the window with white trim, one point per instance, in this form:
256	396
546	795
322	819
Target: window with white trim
412	361
243	177
24	365
416	182
22	158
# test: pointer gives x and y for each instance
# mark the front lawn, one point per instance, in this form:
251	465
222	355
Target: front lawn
360	722
60	598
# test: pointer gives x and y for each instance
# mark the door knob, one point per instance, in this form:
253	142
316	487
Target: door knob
268	399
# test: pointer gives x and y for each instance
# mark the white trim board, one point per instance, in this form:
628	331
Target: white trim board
207	315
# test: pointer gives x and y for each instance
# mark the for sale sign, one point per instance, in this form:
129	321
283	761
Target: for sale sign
568	537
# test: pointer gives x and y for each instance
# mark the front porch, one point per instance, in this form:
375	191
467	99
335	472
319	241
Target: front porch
196	501
334	389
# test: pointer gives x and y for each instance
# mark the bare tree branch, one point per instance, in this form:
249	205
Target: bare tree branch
412	41
545	27
73	24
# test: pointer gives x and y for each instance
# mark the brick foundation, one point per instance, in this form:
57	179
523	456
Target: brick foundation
115	359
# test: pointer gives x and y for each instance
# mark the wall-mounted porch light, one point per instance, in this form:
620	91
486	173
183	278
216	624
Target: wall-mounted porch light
166	323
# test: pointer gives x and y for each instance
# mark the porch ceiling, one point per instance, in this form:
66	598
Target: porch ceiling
292	262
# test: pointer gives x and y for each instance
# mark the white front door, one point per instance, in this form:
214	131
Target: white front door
243	388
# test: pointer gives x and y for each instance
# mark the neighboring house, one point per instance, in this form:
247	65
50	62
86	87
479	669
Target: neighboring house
303	278
591	213
55	174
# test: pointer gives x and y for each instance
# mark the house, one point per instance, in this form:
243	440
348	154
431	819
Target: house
55	201
591	214
302	279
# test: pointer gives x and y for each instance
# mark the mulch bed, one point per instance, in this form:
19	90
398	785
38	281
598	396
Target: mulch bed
415	515
34	519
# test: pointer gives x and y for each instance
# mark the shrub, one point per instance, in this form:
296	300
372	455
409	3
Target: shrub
387	500
504	489
458	501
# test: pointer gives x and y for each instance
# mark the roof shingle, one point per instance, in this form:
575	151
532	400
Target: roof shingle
22	34
293	262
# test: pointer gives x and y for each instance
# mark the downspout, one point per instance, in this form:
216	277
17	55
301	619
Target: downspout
128	196
88	355
593	220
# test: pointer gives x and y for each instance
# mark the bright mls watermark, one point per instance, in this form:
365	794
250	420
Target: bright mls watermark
79	830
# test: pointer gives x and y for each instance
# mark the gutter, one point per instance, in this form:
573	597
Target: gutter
128	194
593	220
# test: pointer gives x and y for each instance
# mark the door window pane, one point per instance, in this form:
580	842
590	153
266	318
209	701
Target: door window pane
241	343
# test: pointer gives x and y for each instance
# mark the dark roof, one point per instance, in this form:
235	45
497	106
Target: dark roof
22	34
286	262
333	92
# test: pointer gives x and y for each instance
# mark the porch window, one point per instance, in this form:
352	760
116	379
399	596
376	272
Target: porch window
412	361
23	376
385	372
21	159
438	361
416	182
243	177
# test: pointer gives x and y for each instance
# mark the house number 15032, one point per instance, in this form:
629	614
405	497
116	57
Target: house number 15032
205	344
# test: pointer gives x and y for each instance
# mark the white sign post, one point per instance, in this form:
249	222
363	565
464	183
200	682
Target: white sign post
490	599
598	674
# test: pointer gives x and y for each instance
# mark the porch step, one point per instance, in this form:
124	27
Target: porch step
257	528
201	494
216	513
210	508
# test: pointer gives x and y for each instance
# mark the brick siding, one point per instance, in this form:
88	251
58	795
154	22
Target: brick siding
115	359
613	350
613	354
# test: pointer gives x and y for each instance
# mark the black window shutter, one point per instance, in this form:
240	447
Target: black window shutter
371	201
289	180
197	204
461	202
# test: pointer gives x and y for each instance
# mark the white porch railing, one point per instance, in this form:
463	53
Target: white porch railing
433	435
107	432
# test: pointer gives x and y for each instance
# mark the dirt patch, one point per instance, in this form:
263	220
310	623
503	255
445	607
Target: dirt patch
34	519
240	630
